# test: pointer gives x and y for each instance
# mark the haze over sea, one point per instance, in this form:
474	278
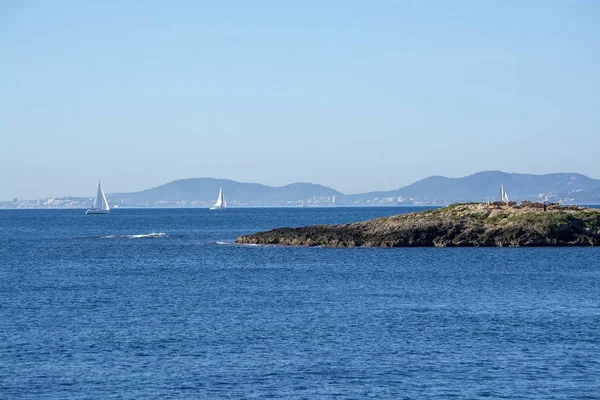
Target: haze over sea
157	303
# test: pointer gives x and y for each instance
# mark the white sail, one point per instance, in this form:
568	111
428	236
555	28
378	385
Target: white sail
503	195
220	200
104	206
100	205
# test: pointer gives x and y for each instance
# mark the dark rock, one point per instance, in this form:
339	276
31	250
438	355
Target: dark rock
464	225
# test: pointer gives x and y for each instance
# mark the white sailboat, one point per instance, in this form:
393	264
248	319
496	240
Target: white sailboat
100	205
220	204
503	195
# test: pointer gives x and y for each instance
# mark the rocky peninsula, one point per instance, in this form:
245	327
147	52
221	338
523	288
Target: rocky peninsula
466	225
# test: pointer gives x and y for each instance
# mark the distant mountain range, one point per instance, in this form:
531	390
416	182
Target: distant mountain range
204	191
570	188
484	186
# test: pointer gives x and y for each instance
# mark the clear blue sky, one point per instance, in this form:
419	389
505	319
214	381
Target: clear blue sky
357	95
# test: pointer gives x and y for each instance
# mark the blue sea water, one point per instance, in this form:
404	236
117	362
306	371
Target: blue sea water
158	304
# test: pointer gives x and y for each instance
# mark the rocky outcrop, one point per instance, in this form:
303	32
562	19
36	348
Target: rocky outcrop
473	224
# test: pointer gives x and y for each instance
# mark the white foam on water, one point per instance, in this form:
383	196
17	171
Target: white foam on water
237	244
148	235
152	235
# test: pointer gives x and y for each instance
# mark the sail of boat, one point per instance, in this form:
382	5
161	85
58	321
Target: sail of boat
503	194
220	201
100	205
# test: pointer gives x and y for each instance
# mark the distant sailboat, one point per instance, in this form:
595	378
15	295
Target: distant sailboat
220	204
503	195
100	205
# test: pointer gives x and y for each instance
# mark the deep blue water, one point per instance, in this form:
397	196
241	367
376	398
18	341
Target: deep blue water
90	310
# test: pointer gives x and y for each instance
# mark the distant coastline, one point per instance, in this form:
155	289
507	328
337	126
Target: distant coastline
562	188
234	207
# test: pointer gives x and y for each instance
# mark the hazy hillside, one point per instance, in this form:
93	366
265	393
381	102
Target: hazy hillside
205	190
481	186
435	190
590	196
485	186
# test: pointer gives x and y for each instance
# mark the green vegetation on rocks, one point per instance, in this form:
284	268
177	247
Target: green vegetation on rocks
473	224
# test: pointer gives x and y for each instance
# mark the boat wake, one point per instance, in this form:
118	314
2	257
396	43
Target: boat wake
153	235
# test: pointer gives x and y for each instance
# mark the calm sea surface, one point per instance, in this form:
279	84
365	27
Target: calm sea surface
157	303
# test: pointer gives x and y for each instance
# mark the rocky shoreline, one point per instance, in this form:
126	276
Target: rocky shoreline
458	225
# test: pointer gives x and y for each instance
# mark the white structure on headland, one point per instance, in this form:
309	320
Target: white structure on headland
220	201
503	195
100	205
